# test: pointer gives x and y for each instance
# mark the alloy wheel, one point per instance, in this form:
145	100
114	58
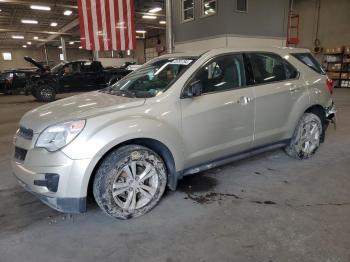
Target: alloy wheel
135	185
310	137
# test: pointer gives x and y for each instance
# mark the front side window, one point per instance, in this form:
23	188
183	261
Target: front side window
222	73
71	68
209	7
187	10
241	6
151	79
269	68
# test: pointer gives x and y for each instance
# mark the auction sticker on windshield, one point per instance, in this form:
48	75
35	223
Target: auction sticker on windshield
181	62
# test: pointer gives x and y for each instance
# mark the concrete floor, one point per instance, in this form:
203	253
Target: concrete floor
267	208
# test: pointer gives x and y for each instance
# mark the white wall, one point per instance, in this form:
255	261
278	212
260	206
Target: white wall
334	24
228	41
38	54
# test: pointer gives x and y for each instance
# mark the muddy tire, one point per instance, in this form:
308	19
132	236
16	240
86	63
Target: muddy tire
307	137
130	181
45	94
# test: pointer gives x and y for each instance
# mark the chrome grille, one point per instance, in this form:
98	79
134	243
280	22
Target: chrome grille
26	133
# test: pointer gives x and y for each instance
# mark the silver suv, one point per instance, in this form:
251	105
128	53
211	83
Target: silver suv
177	115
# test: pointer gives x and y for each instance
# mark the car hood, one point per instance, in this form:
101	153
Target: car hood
33	62
77	107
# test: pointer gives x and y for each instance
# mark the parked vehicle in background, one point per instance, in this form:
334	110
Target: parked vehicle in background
14	81
73	76
177	115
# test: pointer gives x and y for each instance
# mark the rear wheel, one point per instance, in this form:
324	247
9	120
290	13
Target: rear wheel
306	138
130	182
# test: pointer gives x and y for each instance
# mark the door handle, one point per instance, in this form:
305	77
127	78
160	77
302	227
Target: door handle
294	89
243	100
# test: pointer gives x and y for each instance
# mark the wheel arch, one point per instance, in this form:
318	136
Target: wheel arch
319	111
160	148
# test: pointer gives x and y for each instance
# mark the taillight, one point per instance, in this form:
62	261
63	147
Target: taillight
330	85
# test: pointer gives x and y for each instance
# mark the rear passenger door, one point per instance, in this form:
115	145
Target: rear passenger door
276	88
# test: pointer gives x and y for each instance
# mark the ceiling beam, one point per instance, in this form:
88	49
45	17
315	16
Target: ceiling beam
10	29
27	3
64	29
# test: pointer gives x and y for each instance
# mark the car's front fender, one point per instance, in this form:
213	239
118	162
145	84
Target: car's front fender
96	139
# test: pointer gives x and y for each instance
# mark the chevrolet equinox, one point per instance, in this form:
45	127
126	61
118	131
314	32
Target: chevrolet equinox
178	114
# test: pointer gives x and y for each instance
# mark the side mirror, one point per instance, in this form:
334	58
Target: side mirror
193	89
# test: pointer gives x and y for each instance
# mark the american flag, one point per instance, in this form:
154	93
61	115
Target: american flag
107	24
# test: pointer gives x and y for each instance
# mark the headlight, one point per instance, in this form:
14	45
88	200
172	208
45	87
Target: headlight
58	136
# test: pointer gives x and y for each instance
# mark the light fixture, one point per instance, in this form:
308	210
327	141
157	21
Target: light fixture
162	22
28	21
60	47
149	17
80	47
71	43
35	37
67	12
141	31
128	52
40	7
53	24
18	37
24	46
29	43
155	10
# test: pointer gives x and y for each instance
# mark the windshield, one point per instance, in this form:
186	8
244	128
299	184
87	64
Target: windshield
57	67
152	79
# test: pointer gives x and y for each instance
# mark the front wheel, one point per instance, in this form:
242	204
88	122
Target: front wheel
130	181
45	94
306	138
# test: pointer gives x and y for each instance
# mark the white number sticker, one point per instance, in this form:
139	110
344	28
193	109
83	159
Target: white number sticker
181	62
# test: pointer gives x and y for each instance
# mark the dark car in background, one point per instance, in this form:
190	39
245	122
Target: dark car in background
14	81
73	76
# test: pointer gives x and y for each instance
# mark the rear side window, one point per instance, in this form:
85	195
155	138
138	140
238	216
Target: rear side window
269	68
310	61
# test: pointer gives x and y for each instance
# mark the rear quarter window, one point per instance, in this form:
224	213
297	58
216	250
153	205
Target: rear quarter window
310	61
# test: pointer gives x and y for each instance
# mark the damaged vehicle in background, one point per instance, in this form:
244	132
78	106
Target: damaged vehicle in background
76	76
177	115
14	81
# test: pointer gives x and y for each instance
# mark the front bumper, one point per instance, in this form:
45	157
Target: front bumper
54	178
65	205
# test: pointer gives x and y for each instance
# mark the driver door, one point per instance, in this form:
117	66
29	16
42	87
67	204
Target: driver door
220	122
71	79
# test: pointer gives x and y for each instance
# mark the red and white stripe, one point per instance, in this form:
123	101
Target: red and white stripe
107	24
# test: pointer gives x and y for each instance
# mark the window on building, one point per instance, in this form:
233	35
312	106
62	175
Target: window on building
7	56
242	6
187	10
222	73
209	7
271	68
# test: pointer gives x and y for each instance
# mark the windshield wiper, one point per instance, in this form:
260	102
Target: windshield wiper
122	93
